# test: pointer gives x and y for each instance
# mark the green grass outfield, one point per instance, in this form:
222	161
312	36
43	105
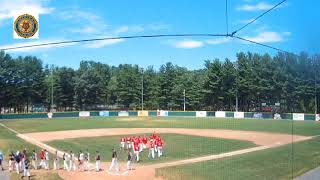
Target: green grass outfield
282	126
268	164
177	147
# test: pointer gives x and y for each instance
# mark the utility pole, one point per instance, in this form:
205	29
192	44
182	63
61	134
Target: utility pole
315	88
237	101
142	90
51	88
184	100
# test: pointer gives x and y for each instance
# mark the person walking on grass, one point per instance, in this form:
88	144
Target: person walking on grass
46	157
26	169
114	163
17	159
56	163
1	159
98	161
34	159
11	161
130	160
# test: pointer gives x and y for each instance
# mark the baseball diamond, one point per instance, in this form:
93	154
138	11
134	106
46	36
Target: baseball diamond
194	148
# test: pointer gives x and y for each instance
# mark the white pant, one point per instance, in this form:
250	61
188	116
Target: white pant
42	163
151	153
10	165
129	165
72	166
122	145
98	163
46	164
56	165
159	151
17	168
65	165
114	165
26	172
34	164
136	153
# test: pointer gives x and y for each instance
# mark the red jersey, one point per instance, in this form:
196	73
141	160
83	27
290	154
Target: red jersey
122	140
128	138
41	155
144	140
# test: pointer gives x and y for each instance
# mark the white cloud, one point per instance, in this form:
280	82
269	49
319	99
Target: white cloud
266	37
256	7
37	48
188	44
103	43
245	21
11	8
218	41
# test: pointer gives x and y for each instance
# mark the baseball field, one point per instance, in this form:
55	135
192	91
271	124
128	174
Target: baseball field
195	148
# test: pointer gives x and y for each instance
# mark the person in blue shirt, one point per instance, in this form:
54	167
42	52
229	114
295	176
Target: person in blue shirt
1	159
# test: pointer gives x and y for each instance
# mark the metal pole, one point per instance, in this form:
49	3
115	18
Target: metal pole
51	89
142	91
236	101
315	91
184	100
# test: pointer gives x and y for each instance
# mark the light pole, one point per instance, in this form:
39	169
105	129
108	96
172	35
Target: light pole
315	87
51	89
184	100
142	89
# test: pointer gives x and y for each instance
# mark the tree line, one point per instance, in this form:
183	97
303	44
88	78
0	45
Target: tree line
251	79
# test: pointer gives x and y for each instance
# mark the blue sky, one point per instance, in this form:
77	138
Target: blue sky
293	27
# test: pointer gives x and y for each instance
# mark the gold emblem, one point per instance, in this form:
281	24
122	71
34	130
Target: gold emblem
26	25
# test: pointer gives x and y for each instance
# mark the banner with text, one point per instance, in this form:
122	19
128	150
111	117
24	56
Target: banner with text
162	113
143	113
201	113
104	113
238	115
84	114
220	114
123	113
298	116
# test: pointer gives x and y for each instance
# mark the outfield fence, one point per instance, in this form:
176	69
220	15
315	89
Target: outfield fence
163	113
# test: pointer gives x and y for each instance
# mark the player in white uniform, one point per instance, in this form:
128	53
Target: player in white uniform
114	162
56	163
46	156
34	159
66	159
98	162
72	165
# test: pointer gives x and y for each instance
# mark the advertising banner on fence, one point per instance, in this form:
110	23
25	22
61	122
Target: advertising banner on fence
123	113
201	113
238	115
162	113
318	117
50	114
221	114
104	113
143	113
298	116
84	114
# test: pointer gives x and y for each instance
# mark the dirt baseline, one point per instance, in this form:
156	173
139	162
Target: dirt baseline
259	138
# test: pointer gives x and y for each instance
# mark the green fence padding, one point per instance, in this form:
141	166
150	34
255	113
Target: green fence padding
133	113
181	113
211	113
309	117
113	113
286	116
94	113
248	115
23	116
267	116
66	114
229	114
152	113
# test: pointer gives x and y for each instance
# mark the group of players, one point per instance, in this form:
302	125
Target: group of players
139	144
23	161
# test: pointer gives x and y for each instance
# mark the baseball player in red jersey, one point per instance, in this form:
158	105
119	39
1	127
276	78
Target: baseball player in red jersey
144	141
136	148
159	146
128	142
